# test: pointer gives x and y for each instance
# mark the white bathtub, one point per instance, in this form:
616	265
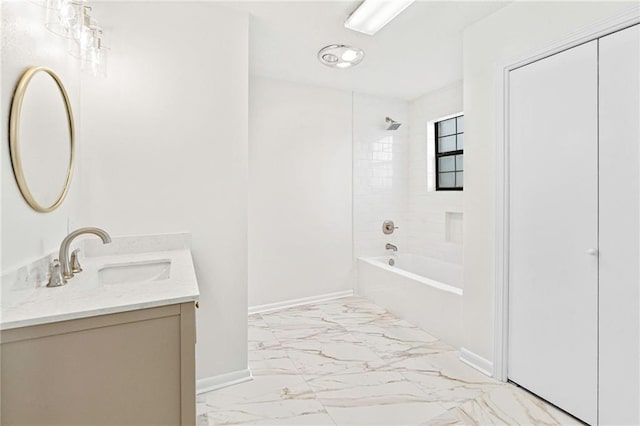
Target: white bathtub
422	290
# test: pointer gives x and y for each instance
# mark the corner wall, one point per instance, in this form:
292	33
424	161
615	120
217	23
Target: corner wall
167	147
300	209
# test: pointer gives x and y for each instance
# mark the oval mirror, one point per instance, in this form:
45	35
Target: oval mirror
42	139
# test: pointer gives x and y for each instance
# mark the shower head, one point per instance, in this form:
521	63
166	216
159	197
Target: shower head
392	124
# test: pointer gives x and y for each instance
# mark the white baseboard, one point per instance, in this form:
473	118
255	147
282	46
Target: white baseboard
476	361
223	380
261	309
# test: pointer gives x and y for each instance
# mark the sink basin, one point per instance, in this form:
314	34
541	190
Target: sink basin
153	270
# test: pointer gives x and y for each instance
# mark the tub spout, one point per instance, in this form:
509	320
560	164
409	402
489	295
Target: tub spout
389	246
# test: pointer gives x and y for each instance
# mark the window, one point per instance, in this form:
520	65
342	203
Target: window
449	154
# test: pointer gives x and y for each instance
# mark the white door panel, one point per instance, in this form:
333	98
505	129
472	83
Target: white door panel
553	287
619	227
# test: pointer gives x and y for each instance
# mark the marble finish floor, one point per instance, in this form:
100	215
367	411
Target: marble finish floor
350	362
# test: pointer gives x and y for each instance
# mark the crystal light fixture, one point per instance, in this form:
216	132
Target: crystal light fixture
63	16
80	25
72	19
95	57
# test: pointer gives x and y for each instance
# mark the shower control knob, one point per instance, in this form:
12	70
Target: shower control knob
388	227
592	252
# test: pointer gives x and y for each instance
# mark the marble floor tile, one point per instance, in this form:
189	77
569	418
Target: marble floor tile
350	362
504	405
442	375
355	311
305	318
277	411
303	419
374	398
261	388
271	362
397	414
391	338
260	335
348	390
337	353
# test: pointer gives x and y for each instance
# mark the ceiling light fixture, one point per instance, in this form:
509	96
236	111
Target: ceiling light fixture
372	15
349	55
340	56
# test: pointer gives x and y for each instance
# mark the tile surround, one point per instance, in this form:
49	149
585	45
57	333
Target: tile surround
380	174
393	177
427	209
348	362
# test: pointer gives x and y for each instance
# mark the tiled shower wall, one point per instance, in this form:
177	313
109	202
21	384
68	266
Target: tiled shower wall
380	174
434	218
393	178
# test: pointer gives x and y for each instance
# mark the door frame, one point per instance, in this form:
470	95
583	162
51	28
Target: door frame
584	35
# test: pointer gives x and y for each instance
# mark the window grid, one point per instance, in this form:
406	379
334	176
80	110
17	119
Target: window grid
458	171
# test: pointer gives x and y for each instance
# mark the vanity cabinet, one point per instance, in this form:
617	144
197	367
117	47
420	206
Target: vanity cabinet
127	368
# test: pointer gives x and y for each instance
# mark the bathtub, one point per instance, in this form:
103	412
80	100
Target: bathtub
422	290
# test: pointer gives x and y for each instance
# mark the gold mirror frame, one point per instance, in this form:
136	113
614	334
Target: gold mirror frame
14	138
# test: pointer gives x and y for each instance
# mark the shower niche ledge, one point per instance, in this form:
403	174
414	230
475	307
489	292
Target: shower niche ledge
115	345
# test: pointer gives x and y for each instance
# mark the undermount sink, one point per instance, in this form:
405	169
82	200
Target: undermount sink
153	270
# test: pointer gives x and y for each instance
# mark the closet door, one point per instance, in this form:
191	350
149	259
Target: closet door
619	228
553	264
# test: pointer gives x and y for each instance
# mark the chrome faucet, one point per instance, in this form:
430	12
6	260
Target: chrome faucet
65	264
390	246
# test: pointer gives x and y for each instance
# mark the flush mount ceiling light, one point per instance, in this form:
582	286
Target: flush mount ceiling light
372	15
340	56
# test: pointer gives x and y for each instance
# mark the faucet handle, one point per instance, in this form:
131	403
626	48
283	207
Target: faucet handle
75	263
388	227
55	274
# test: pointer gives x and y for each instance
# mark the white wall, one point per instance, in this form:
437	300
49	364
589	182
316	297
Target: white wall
380	173
511	32
300	217
26	234
166	151
432	212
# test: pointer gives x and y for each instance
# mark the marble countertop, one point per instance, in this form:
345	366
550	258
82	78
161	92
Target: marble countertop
27	302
